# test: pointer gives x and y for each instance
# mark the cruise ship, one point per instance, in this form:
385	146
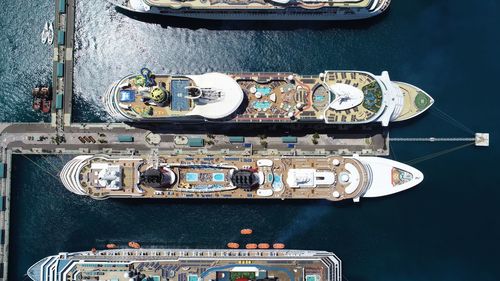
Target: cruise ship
333	178
259	9
332	97
189	265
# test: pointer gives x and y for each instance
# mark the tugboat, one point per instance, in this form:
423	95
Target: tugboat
46	99
37	99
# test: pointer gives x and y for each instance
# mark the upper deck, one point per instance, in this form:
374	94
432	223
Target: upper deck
189	265
336	97
332	178
263	4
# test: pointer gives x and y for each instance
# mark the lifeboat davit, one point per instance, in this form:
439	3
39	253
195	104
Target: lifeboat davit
263	246
278	246
246	231
251	246
232	245
134	245
111	246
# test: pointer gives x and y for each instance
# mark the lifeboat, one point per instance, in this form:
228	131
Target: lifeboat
134	245
233	245
251	246
263	246
278	246
111	246
246	231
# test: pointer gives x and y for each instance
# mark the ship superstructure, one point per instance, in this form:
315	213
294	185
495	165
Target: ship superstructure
189	265
332	97
333	178
259	9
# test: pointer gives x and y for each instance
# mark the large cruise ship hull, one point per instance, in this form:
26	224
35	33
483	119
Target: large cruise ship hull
188	264
288	14
285	98
198	177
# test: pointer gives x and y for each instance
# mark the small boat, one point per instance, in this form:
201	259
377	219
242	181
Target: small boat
251	246
50	38
111	246
45	33
246	231
37	103
46	105
278	246
263	246
232	245
134	245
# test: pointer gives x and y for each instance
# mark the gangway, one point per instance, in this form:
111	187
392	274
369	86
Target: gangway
480	139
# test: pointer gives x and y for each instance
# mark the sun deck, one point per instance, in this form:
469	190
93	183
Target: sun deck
190	265
211	177
267	97
258	4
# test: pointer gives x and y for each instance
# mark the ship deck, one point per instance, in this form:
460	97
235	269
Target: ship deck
194	174
256	4
270	97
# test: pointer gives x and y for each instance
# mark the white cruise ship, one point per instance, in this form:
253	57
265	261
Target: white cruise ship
189	265
332	97
310	10
333	178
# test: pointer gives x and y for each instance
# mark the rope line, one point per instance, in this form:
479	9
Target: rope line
437	154
446	117
36	164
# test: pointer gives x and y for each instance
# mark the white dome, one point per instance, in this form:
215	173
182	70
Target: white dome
346	96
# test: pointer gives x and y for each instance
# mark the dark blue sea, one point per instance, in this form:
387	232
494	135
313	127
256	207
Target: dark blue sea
447	228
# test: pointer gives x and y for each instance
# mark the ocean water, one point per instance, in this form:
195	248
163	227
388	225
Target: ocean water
447	228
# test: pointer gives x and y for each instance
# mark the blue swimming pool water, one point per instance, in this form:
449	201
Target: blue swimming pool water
218	177
277	183
264	90
264	105
191	177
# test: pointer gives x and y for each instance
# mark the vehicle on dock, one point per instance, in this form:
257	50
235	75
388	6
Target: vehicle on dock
309	10
333	178
190	265
332	97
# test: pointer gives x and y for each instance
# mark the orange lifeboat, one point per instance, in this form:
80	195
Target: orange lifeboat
134	245
246	231
232	245
278	246
251	246
263	246
111	246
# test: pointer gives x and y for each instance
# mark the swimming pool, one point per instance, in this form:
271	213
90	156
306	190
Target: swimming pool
265	91
277	183
218	177
190	177
263	105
